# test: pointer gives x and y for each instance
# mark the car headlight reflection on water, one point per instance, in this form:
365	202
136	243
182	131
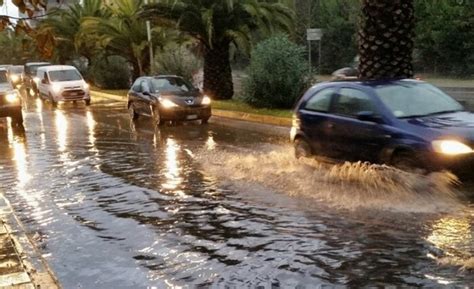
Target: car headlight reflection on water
451	147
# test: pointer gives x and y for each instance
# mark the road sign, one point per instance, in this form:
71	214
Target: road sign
314	34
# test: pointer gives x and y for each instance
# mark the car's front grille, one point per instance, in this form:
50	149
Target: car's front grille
73	94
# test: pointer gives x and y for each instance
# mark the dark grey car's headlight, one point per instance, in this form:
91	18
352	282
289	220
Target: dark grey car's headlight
166	103
206	100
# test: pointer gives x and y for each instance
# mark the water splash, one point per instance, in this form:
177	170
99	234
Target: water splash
465	264
347	185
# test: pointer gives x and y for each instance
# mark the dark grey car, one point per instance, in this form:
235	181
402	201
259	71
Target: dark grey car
10	100
167	98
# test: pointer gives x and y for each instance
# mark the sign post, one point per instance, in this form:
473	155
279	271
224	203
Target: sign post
314	34
150	44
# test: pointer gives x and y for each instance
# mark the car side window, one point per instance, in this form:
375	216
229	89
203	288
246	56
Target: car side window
320	101
45	77
351	101
137	86
144	86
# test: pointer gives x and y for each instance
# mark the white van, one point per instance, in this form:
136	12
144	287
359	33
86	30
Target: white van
62	83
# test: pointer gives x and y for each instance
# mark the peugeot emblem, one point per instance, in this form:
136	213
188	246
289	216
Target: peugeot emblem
189	100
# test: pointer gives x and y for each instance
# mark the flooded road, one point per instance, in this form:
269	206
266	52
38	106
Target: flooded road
119	205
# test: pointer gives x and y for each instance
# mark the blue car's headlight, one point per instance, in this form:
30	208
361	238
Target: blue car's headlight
451	147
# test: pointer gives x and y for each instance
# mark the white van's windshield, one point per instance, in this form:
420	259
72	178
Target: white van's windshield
65	75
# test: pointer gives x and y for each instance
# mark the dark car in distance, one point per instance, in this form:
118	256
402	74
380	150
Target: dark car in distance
167	98
10	100
15	73
404	123
29	77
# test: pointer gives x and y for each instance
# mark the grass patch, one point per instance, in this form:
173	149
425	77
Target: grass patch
119	92
238	105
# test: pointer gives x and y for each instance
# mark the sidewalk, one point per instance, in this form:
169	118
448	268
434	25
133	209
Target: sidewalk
21	265
258	118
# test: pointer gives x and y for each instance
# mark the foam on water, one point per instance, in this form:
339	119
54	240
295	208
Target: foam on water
348	185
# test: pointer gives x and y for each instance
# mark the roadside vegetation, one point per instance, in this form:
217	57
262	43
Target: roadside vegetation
107	41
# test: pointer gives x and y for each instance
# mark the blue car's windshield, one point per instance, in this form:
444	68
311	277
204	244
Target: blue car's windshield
414	99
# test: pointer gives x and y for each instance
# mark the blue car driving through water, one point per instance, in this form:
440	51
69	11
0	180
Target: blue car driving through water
404	123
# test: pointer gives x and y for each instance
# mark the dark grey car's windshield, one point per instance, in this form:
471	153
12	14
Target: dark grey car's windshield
413	99
64	75
172	84
32	69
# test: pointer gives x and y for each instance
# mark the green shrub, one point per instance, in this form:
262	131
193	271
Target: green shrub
277	75
177	60
111	72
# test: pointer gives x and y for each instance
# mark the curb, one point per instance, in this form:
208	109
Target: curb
22	265
108	95
259	118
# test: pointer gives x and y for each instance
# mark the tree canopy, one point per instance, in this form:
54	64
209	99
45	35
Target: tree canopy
215	26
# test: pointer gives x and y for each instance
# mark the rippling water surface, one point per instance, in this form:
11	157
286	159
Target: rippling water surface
114	205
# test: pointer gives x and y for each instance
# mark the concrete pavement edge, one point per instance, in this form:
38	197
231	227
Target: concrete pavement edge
21	263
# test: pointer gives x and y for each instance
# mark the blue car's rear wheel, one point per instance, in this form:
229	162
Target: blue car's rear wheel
302	148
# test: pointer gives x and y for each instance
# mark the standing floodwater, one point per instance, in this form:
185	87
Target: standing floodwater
118	206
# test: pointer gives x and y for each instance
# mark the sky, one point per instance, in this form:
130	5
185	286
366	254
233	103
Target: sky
10	8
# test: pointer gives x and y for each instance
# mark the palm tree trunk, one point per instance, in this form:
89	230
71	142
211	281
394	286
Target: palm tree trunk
386	39
217	72
136	71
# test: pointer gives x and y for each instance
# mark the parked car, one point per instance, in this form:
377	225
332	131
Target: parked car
29	74
15	74
167	98
404	123
62	83
10	100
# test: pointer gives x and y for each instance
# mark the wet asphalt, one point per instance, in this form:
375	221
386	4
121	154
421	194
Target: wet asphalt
115	204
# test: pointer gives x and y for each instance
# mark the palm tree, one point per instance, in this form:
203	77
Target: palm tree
65	26
124	34
386	39
216	25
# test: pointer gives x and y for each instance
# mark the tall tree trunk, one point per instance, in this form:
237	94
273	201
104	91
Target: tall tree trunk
136	70
217	72
386	39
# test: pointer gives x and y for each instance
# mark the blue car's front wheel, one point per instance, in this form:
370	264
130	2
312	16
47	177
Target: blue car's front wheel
407	161
302	148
